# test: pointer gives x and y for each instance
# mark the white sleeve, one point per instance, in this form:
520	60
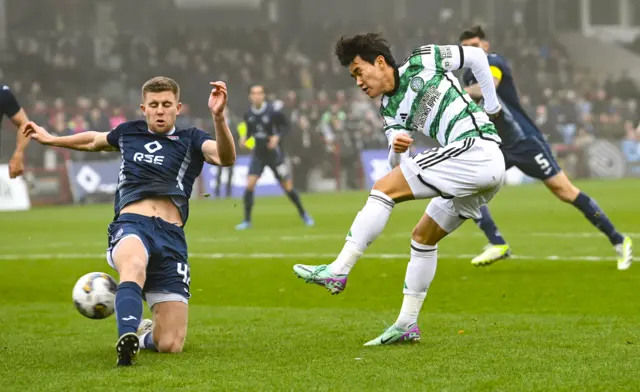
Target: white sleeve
395	157
455	57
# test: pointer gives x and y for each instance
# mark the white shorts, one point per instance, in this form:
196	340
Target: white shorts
460	178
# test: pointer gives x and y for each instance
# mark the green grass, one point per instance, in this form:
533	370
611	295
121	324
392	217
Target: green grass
532	323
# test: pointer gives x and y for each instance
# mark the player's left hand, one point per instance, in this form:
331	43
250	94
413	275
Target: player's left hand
16	165
218	98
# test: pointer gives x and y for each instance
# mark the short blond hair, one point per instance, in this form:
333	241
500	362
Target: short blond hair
160	84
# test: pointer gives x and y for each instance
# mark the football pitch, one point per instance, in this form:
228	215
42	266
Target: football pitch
557	316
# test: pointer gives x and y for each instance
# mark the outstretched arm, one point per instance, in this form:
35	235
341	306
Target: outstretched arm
476	59
10	106
496	68
20	119
476	92
222	151
16	164
85	141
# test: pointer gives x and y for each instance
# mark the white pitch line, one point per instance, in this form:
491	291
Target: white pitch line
303	238
327	256
576	235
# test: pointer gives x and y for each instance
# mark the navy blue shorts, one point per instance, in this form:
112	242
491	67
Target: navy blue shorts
168	272
272	159
533	157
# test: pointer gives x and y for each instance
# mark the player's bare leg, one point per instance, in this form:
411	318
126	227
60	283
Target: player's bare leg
562	187
167	332
420	273
130	259
292	194
252	180
367	226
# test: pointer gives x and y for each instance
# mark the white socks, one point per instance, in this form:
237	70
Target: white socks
367	226
143	340
420	272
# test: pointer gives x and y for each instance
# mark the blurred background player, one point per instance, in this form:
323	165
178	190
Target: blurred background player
267	124
10	107
147	245
525	147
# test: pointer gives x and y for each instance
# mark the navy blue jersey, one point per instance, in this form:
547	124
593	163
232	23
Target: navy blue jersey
157	165
522	125
8	103
265	122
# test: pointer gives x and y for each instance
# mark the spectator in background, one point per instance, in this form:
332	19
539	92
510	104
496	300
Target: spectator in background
78	124
600	103
57	111
98	121
606	128
302	144
564	100
84	106
625	87
117	118
35	93
39	113
631	143
60	126
565	131
581	141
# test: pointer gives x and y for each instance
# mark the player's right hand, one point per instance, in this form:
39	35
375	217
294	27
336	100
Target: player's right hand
402	142
16	165
37	133
218	98
494	114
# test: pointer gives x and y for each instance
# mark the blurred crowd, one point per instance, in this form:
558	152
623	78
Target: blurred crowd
72	83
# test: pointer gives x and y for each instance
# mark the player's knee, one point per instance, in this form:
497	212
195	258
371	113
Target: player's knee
133	269
420	236
287	185
562	187
251	185
384	186
428	231
424	236
170	343
567	192
394	186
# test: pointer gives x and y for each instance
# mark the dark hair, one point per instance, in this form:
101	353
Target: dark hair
161	84
368	46
473	32
264	90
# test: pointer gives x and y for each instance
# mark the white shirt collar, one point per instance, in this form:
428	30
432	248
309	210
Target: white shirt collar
260	110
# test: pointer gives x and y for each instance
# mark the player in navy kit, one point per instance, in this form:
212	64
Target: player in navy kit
10	107
267	124
524	147
147	245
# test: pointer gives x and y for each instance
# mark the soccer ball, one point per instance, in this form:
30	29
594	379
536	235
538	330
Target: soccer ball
94	295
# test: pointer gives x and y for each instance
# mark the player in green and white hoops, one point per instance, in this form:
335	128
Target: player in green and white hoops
420	95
